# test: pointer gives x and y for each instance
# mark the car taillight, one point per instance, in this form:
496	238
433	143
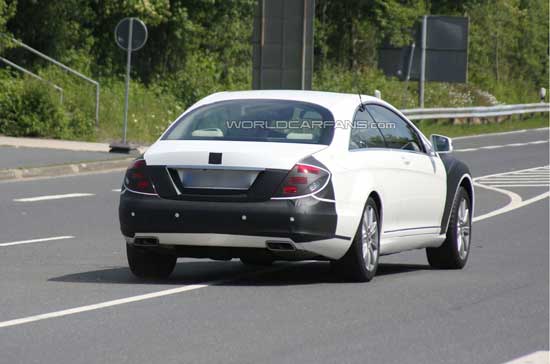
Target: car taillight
136	178
302	180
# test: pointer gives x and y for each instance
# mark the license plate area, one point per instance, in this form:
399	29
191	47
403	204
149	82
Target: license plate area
219	179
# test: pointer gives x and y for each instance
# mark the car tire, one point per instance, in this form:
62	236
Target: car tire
148	264
361	260
255	261
455	250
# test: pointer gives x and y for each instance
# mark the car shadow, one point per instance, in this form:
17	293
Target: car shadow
235	274
314	273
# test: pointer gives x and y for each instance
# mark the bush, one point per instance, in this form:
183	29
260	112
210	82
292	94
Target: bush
31	108
27	109
150	110
402	95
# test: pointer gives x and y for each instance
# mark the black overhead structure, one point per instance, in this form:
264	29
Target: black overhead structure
283	44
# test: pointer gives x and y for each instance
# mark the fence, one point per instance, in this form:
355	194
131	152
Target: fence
476	112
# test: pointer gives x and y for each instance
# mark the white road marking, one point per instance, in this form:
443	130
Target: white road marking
519	180
532	177
538	357
516	201
500	133
516	180
518	177
512	185
511	206
52	197
116	190
465	150
97	306
122	301
501	146
37	240
536	173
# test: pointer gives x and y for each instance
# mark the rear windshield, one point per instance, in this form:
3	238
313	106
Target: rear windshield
280	121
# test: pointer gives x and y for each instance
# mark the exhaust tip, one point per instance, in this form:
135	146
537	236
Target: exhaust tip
146	241
280	246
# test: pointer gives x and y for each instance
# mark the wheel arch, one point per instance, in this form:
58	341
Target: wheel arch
458	175
468	184
378	200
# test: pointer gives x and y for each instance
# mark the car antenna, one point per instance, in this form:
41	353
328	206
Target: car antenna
361	107
358	88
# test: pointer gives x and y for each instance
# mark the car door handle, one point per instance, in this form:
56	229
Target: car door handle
406	160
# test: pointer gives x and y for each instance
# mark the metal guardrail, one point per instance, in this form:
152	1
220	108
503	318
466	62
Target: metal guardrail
32	74
475	112
65	67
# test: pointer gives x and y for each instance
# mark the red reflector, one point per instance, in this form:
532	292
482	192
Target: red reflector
143	184
290	189
298	180
303	168
137	178
140	163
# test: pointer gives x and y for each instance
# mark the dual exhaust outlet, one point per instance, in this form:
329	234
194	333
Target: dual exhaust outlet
146	241
280	246
272	245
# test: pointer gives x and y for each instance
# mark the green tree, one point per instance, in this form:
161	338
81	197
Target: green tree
7	11
60	29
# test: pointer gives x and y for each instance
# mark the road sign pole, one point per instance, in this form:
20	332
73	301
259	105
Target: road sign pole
130	35
304	40
422	62
128	65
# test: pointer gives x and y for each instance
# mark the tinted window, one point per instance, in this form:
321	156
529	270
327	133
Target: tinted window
397	133
365	133
256	120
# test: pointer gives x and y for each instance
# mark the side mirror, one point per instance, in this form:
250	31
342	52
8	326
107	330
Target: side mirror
441	143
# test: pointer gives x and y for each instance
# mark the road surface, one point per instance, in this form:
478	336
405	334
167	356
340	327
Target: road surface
67	296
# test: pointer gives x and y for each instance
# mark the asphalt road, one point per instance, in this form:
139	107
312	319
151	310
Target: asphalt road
494	310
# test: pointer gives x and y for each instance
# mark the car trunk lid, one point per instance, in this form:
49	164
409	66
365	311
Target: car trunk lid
222	170
255	155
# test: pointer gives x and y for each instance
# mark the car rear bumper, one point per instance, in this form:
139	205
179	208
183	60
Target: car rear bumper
195	228
302	220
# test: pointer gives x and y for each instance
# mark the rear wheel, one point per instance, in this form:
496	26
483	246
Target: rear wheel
361	261
148	264
454	252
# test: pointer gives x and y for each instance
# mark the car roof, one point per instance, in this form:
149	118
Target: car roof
329	100
341	105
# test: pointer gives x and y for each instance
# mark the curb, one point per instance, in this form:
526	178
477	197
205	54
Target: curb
75	145
63	169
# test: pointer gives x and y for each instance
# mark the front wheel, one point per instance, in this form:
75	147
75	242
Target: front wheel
361	261
149	264
454	252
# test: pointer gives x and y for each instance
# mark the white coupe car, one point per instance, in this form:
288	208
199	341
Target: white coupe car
295	175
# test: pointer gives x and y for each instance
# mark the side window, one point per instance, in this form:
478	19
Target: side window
397	133
365	133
